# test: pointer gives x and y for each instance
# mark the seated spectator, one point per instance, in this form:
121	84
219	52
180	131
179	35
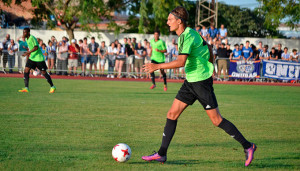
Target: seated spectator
264	55
204	32
74	49
222	32
236	54
285	56
247	52
213	32
140	53
103	55
273	54
120	59
12	50
62	57
279	51
198	28
294	56
222	62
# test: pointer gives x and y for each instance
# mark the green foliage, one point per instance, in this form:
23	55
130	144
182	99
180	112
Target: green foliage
243	22
278	11
154	13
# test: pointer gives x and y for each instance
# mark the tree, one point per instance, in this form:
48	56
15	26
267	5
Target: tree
278	11
242	22
70	12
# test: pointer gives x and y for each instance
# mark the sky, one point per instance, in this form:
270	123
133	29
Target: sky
242	3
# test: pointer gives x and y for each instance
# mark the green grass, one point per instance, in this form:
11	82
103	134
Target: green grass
77	127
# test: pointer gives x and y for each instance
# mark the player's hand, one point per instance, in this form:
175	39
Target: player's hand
156	50
149	68
26	54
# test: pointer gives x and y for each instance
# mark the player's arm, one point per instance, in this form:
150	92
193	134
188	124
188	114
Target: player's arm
180	62
32	50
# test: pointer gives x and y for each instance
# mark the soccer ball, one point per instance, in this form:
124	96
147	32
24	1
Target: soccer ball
35	73
121	152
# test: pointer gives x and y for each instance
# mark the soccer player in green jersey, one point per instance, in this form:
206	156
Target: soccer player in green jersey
195	55
158	47
35	59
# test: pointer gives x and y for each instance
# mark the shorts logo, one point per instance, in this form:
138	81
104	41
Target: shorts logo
164	134
208	107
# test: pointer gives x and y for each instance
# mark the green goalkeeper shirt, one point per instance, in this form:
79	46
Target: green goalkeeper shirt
36	56
197	65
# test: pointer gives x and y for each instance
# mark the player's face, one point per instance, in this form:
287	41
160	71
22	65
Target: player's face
156	36
172	22
25	33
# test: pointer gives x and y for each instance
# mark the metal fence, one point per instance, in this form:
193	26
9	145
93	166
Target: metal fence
15	62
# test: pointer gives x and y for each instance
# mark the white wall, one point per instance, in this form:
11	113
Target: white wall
109	37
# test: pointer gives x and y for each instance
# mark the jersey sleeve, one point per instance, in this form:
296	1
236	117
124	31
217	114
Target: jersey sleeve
185	45
35	42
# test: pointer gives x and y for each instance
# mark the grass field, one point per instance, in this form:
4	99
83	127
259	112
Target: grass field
77	127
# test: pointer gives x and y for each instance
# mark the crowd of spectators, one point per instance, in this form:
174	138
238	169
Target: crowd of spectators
66	57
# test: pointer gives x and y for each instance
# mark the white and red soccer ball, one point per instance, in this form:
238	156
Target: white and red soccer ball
121	152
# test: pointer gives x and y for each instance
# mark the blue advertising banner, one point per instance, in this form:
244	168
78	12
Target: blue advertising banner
282	70
244	69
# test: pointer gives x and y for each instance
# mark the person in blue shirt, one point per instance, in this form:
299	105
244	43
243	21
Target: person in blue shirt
247	52
213	32
222	32
236	53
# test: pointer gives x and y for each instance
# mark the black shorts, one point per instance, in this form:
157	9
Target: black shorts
202	91
40	65
154	62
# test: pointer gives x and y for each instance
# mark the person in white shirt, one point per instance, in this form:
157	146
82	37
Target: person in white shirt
112	53
12	49
285	56
120	59
264	55
294	56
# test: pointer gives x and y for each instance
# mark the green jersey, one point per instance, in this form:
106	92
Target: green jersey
160	45
197	65
36	56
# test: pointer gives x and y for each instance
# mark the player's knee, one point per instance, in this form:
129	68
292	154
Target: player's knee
173	115
216	121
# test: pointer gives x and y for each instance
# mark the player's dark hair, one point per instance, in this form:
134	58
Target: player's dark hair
157	31
84	38
181	13
294	50
27	29
242	44
247	41
145	40
273	48
93	38
286	48
236	45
